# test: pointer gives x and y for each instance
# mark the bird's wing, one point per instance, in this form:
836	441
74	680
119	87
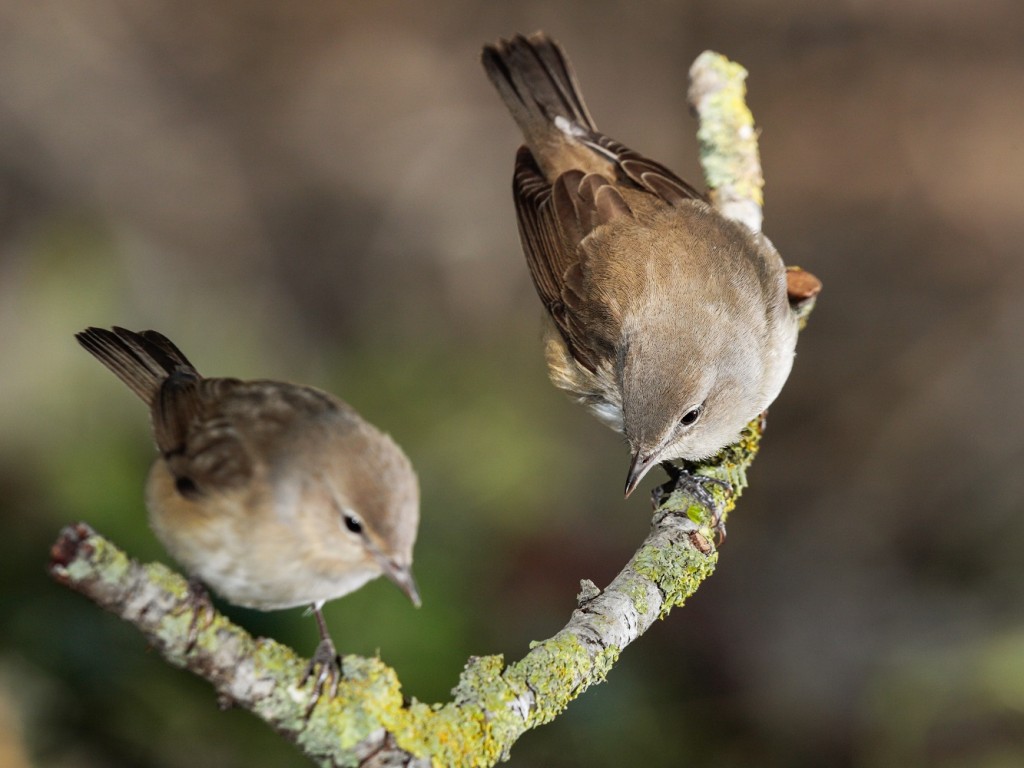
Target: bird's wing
640	172
201	434
555	219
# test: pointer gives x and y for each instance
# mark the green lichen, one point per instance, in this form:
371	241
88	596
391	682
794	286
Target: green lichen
636	591
274	659
369	698
557	671
484	720
449	735
166	579
476	728
677	571
481	681
368	691
728	140
107	562
174	627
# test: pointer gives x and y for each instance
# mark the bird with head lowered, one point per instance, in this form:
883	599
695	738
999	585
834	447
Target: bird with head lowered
273	494
668	320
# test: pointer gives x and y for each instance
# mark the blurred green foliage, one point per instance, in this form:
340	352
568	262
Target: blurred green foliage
321	194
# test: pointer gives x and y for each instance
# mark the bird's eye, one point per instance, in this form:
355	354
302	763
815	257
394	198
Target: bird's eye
690	416
187	487
353	524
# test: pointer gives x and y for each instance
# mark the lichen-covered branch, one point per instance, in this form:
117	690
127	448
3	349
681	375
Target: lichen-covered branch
728	138
730	158
369	723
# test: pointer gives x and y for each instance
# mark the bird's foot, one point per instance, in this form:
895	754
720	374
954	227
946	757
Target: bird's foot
325	669
697	486
324	665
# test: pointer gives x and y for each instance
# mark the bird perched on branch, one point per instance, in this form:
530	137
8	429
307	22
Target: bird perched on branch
669	321
273	494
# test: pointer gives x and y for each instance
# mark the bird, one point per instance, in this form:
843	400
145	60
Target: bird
273	494
667	320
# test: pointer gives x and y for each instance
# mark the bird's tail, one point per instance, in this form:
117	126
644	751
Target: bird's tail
537	84
141	360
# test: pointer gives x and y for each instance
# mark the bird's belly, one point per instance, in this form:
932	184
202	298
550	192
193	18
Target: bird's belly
283	583
249	561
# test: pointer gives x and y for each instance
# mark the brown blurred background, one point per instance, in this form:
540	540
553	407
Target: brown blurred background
321	192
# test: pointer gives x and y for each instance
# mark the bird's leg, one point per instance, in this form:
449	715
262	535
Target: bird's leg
202	609
325	663
681	478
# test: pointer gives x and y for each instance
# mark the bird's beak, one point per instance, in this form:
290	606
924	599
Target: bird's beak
401	575
638	468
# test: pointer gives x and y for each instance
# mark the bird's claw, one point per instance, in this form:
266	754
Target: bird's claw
325	667
697	486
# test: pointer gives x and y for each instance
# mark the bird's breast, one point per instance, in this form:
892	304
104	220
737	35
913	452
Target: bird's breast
240	546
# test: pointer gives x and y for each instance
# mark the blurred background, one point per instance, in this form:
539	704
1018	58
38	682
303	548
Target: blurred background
320	192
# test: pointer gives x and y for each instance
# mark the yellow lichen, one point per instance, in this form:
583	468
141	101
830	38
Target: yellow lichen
728	139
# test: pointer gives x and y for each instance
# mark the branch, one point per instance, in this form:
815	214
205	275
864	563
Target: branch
728	139
369	723
731	161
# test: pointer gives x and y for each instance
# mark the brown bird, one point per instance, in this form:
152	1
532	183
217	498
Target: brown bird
273	494
669	321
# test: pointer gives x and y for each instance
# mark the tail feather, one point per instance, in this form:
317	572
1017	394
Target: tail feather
167	347
537	84
141	360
